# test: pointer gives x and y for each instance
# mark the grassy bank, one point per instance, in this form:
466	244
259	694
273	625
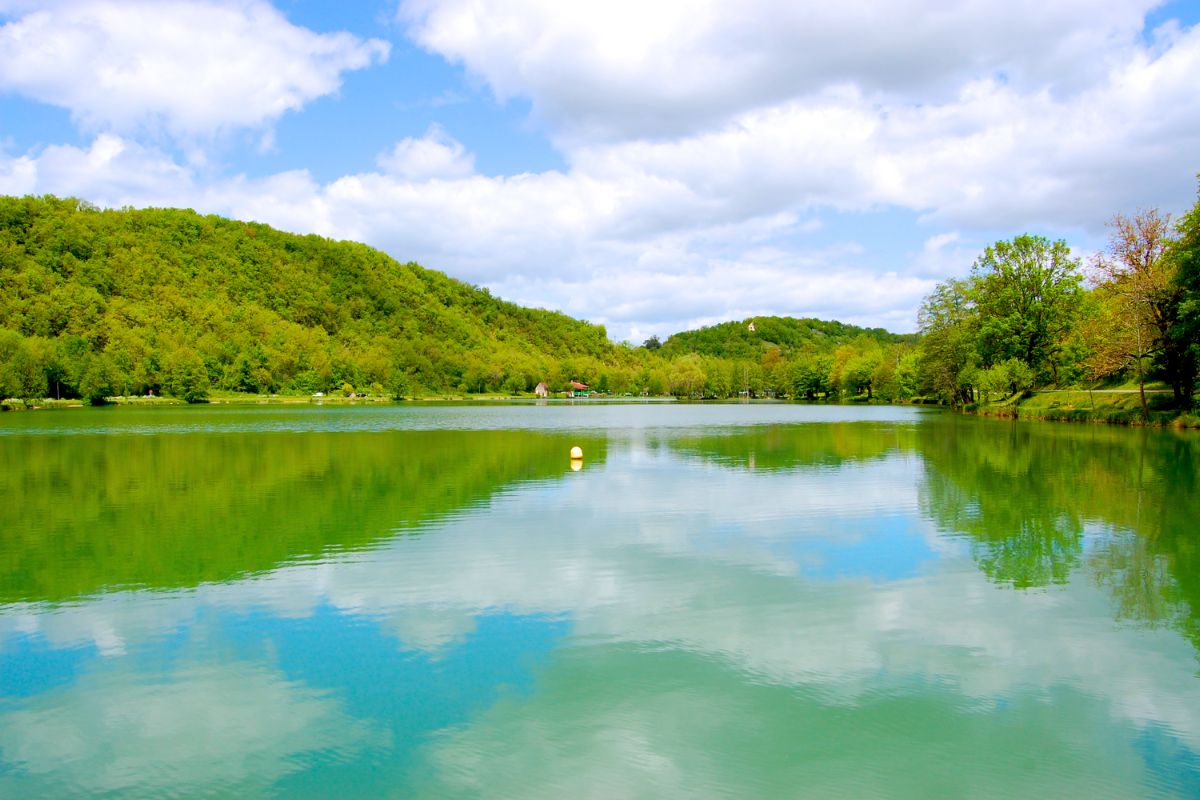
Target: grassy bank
1106	406
15	404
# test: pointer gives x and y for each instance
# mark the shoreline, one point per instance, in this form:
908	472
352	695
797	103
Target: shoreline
1121	407
48	404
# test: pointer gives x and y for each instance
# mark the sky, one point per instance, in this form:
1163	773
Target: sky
651	167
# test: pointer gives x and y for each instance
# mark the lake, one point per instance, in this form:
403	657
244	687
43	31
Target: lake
733	600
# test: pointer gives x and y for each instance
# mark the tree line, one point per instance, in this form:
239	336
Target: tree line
96	303
124	302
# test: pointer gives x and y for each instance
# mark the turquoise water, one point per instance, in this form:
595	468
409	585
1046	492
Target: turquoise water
721	601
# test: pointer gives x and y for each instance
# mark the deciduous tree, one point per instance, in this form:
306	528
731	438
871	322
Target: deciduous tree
948	350
1027	293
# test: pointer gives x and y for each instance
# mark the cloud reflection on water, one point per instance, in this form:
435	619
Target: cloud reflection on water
698	569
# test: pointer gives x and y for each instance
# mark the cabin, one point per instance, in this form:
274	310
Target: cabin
541	390
750	327
577	389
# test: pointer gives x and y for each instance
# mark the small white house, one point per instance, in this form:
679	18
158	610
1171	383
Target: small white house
750	327
541	390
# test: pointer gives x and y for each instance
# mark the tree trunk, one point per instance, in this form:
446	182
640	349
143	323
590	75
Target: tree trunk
1142	392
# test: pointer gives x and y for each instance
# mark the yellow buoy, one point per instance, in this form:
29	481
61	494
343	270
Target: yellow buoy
576	452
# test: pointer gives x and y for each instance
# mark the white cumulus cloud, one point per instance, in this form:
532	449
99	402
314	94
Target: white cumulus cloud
434	155
623	67
189	68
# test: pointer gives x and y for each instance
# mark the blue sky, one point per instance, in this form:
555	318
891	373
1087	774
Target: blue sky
648	167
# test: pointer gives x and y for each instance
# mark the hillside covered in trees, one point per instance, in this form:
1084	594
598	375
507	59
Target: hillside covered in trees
791	336
790	357
96	303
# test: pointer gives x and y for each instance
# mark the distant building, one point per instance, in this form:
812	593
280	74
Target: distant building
577	389
750	327
541	390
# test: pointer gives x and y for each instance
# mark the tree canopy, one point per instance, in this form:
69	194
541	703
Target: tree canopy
97	303
1026	294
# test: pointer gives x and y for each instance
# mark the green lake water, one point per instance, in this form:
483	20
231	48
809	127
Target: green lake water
734	601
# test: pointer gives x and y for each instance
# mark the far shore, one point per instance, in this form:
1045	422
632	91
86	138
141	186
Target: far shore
1112	406
234	398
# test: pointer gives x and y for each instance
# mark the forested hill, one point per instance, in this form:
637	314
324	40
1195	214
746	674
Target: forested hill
100	302
792	336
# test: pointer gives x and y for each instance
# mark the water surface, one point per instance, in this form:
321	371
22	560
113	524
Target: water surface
724	601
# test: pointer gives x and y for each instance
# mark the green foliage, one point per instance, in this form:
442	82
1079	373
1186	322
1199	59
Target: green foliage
687	376
949	353
1020	320
1135	323
187	377
810	378
21	371
1027	294
130	301
735	340
856	374
1008	378
908	374
784	357
1184	333
96	378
